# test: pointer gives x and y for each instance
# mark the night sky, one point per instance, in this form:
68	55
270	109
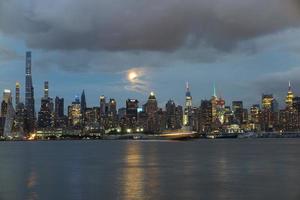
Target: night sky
127	48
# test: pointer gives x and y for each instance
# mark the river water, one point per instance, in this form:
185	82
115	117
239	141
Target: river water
198	169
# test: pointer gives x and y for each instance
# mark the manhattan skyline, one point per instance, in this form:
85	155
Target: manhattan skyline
243	51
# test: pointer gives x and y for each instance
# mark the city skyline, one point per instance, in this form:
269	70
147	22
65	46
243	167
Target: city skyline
244	51
131	76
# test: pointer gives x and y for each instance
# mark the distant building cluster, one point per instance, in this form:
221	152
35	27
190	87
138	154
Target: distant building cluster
212	116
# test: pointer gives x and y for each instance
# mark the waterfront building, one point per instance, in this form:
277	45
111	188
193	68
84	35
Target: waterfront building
29	96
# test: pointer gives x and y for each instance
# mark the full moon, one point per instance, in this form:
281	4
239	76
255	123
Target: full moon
132	75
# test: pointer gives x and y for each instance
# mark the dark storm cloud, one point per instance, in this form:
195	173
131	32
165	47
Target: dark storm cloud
159	25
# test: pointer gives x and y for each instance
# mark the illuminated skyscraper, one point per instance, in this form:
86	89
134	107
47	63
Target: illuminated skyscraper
214	103
188	106
267	101
289	97
267	113
74	113
221	110
29	95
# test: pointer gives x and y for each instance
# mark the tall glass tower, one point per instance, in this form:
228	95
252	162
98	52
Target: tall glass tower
29	95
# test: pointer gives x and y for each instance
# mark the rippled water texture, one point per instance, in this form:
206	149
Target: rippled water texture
199	169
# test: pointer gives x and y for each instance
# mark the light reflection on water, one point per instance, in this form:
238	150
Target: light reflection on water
133	174
31	184
201	169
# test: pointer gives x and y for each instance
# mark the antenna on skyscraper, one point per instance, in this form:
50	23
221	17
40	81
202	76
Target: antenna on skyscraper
215	93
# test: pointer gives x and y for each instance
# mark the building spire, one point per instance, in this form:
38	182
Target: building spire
290	87
187	86
188	92
215	93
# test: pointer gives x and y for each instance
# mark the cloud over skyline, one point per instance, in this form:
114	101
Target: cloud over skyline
234	43
124	25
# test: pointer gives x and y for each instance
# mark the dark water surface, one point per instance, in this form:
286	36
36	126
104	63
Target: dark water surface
199	169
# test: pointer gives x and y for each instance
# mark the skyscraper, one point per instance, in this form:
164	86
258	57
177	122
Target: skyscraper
188	106
151	108
45	115
59	116
205	116
17	93
131	108
29	95
59	107
7	99
289	97
214	101
102	106
20	115
9	113
46	89
83	102
83	107
74	114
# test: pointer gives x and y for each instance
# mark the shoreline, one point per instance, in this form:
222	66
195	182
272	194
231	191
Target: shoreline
141	137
